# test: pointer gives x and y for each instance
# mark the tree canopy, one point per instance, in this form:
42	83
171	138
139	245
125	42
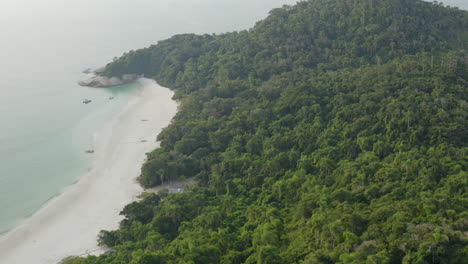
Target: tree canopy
333	131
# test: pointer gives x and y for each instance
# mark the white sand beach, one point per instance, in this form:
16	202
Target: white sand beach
69	223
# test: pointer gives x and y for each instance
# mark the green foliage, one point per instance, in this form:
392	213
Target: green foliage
331	132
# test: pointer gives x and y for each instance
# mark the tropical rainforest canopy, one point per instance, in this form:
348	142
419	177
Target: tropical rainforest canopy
333	131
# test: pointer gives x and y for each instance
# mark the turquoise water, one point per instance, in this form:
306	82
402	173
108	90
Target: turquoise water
42	156
44	45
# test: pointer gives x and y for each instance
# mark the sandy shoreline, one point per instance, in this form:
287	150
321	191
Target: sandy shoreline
69	223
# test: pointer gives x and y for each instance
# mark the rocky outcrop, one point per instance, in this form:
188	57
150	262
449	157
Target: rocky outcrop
99	81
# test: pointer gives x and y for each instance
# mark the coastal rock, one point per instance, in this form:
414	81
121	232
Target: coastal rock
99	71
99	81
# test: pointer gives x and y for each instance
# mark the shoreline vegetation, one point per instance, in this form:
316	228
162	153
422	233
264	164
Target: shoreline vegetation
333	131
69	223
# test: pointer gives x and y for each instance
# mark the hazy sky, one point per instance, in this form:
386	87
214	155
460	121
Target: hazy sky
86	8
157	19
91	32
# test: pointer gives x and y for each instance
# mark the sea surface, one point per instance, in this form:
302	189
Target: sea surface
44	47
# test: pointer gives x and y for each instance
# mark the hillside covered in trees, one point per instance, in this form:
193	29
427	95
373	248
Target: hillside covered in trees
333	131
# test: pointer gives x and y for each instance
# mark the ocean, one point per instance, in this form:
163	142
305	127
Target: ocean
45	45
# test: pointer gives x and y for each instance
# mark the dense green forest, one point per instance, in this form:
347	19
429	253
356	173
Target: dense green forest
333	131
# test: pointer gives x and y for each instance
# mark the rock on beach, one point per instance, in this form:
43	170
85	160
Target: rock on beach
99	81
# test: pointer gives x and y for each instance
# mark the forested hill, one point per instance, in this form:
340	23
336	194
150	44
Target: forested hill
334	131
322	35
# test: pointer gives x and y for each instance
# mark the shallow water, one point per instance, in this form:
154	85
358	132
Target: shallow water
44	151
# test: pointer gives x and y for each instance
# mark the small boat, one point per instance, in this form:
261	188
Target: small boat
111	98
90	151
86	101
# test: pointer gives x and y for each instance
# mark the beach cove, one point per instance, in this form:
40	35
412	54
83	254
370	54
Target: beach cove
69	223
